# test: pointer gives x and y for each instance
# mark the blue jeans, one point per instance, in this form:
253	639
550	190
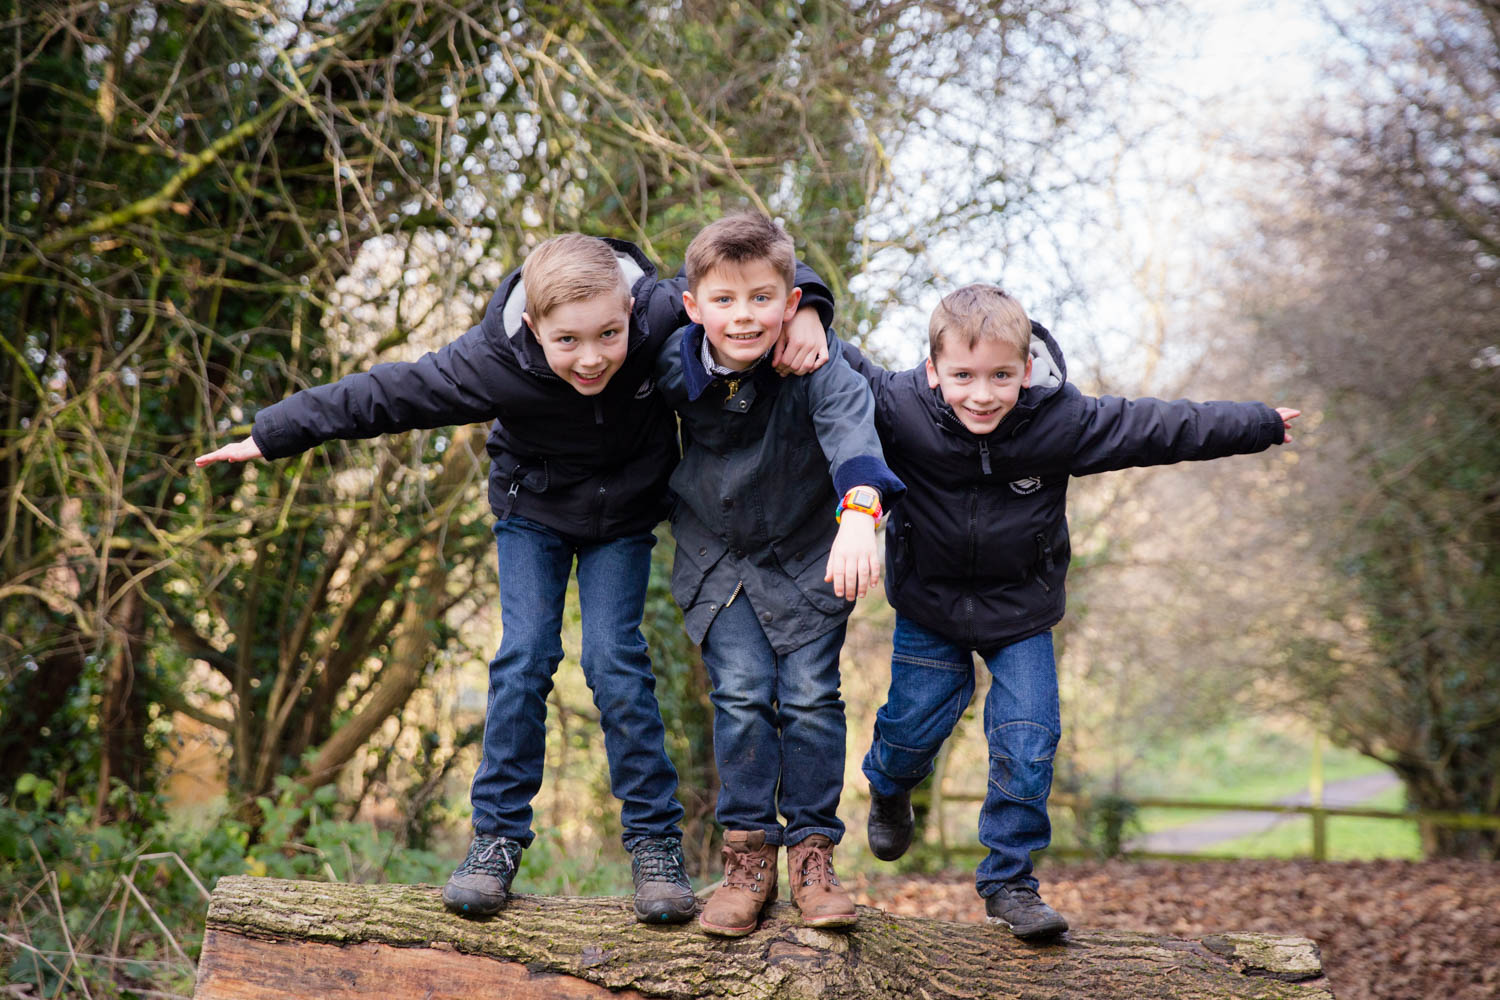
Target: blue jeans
932	681
778	728
534	565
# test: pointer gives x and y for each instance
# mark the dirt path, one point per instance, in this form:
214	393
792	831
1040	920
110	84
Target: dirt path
1217	828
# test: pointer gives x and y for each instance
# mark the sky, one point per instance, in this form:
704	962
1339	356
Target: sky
1226	79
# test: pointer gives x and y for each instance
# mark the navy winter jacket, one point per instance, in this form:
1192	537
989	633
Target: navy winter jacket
978	550
589	467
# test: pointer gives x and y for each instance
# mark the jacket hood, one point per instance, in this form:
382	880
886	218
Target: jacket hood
503	316
1049	373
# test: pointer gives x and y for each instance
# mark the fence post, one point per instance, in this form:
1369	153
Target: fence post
1315	798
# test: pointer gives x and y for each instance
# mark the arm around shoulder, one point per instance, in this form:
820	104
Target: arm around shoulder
843	413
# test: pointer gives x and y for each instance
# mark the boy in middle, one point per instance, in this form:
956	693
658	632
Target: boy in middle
765	463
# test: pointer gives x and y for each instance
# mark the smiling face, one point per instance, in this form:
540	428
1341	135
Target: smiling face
584	342
742	308
981	382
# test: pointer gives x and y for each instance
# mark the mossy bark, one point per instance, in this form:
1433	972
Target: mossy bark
271	938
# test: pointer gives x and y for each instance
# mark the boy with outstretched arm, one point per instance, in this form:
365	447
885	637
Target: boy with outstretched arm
581	449
986	435
765	461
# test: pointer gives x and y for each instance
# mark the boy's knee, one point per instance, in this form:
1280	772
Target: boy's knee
906	765
1021	759
533	652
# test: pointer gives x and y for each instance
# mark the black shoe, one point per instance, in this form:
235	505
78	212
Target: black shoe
891	823
1018	907
480	887
663	894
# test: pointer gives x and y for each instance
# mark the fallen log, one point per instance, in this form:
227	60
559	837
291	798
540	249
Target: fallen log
270	939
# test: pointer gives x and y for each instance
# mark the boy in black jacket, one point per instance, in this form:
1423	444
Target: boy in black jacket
580	452
985	435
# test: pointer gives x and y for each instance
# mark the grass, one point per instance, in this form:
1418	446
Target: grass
1249	762
1348	838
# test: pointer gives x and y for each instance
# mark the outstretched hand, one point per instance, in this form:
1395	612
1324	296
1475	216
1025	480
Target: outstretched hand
240	451
1287	415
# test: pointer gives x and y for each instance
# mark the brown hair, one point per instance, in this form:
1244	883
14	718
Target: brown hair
570	268
975	313
740	239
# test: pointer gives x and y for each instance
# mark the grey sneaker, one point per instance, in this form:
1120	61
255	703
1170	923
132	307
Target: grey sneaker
1018	907
889	830
480	886
663	894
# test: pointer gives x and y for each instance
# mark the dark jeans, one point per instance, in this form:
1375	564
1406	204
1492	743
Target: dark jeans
932	681
534	566
778	728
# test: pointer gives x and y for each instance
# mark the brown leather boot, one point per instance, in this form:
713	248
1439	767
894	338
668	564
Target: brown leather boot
749	885
815	888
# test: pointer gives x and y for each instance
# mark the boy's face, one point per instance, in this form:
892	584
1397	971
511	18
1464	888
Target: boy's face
584	341
981	383
742	308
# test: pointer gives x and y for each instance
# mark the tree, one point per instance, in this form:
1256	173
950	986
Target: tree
207	206
1376	288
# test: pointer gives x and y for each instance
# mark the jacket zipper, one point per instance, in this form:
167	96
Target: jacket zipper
1044	552
973	561
984	456
599	511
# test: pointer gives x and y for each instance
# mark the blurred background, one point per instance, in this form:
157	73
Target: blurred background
280	667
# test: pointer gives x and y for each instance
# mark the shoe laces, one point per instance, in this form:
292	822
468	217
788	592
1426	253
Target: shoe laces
659	859
817	866
1024	895
491	855
742	870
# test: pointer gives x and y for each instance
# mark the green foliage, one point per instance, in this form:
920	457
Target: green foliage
552	867
100	891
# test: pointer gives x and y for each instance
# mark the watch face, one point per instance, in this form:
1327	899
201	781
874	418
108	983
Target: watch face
862	497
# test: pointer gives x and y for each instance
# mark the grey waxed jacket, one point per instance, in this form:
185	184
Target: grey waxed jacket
765	459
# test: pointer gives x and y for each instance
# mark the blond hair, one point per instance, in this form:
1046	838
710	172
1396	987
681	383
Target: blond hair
570	268
975	313
740	239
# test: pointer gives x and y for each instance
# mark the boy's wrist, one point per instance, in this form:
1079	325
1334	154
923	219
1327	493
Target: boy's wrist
860	499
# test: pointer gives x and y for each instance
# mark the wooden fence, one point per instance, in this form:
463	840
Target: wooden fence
1318	814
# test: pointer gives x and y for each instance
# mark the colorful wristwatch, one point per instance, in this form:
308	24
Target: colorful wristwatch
861	498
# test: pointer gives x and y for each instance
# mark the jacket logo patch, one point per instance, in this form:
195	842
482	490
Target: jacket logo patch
646	389
1028	485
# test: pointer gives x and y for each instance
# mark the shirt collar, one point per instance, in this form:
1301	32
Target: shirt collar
699	370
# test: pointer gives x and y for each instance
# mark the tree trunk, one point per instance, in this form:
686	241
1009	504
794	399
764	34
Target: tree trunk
269	939
123	717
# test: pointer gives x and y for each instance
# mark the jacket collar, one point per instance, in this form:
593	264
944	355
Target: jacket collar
695	376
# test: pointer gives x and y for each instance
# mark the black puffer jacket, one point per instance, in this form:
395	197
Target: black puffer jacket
978	549
591	467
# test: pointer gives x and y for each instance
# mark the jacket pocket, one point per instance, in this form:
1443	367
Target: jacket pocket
1046	561
806	564
697	552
